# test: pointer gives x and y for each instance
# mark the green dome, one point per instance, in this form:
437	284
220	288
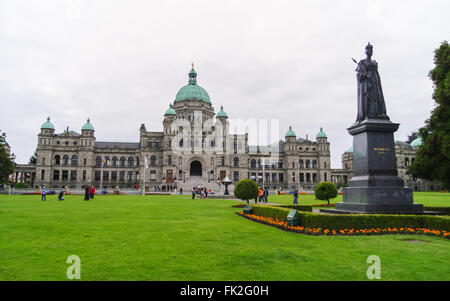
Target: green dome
417	142
350	149
222	113
192	90
321	134
290	133
170	111
87	126
47	125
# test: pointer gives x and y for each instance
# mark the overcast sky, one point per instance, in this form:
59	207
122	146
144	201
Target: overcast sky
122	62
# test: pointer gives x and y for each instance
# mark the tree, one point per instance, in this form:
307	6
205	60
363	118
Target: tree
325	191
245	190
413	136
33	159
432	161
6	165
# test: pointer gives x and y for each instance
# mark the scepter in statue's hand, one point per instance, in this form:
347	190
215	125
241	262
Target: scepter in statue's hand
355	61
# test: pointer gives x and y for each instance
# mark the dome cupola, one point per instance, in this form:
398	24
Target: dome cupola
170	111
321	134
47	125
88	126
192	91
222	113
290	133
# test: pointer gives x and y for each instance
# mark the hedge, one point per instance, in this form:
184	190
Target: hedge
443	210
356	221
307	208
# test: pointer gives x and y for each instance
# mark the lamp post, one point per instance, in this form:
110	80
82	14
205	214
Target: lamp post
145	171
226	182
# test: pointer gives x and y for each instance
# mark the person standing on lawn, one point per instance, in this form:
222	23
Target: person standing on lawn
91	192
43	196
86	193
295	196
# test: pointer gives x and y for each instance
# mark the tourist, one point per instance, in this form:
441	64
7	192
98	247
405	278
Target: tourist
86	193
60	196
181	190
194	192
206	192
260	195
91	192
295	196
175	190
266	194
43	191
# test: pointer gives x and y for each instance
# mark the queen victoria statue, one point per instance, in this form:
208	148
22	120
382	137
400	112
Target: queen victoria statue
370	95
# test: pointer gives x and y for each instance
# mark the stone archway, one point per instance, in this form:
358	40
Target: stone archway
195	169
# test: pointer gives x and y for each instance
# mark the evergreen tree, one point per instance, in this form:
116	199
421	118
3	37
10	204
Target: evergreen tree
33	159
6	165
432	160
413	136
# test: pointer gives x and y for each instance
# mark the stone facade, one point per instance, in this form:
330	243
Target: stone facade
75	160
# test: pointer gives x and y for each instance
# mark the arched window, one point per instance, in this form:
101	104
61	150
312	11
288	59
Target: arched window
107	161
150	143
307	164
259	163
130	161
66	160
280	163
300	163
122	161
253	163
266	163
236	161
181	143
74	160
114	161
314	164
137	161
98	161
153	160
57	160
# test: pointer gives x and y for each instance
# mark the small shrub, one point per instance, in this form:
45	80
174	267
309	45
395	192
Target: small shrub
246	189
325	191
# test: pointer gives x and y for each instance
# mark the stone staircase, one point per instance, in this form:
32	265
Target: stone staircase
197	180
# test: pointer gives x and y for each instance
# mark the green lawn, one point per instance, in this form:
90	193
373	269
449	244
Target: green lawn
175	238
427	198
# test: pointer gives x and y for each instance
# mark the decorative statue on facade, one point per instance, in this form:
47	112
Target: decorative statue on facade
370	95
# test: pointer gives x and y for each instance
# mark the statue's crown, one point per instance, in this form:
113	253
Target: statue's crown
369	46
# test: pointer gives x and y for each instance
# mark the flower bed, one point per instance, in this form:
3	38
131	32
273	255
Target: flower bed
320	231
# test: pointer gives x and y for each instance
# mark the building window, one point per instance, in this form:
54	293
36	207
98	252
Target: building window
236	176
325	177
122	161
122	176
114	161
150	143
152	175
222	161
157	143
274	177
114	175
308	177
130	161
280	177
307	163
300	163
73	175
57	160
325	165
253	163
302	177
137	161
84	175
314	164
42	174
105	175
56	175
280	165
98	161
236	162
74	160
314	177
293	176
259	163
169	160
65	175
84	162
153	160
97	176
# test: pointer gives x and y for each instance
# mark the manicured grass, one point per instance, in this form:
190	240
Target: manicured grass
175	238
427	198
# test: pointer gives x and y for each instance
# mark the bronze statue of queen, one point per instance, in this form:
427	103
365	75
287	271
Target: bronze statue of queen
370	94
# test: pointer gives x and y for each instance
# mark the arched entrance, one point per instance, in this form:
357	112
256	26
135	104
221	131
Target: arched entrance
196	168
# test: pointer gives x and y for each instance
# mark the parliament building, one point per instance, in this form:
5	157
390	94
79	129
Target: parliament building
76	159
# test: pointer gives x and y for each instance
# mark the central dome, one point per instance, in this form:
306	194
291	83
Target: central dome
192	90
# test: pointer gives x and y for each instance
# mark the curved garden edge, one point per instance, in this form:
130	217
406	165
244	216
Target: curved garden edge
350	232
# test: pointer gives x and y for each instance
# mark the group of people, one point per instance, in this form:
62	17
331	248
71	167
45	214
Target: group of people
89	192
263	193
201	192
44	194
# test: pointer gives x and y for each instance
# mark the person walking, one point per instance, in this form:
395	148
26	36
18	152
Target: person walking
43	196
295	196
260	195
266	194
86	193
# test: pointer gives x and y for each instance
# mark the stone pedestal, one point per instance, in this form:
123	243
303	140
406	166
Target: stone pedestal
375	186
